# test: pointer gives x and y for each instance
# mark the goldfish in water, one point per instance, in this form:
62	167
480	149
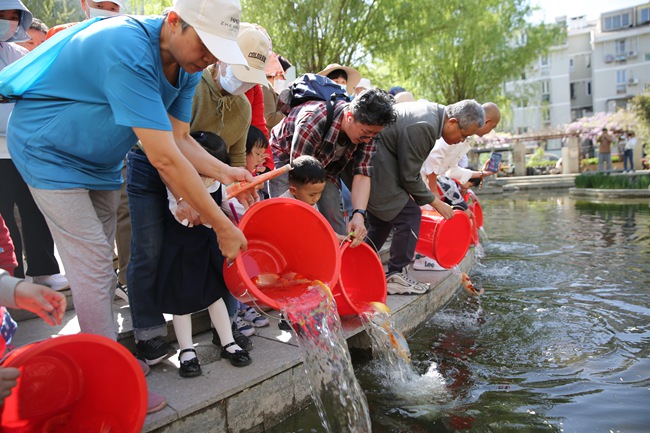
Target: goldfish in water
469	287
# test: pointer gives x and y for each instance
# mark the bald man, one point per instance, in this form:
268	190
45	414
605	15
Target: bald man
444	157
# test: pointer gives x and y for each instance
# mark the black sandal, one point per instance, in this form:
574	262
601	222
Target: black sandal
240	358
191	367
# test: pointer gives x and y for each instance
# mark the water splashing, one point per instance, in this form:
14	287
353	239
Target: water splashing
340	401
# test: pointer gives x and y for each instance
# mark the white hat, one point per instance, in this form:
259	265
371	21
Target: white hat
217	24
255	45
364	84
404	97
120	3
353	75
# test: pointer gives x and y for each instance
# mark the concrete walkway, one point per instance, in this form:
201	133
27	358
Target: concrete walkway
256	397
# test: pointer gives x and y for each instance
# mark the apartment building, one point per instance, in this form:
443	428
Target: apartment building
601	65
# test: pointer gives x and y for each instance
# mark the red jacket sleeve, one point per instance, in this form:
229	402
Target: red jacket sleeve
256	98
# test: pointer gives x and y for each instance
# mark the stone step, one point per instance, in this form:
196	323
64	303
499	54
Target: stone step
256	397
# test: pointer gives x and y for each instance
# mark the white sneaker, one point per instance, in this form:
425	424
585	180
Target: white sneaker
55	282
400	283
243	326
424	263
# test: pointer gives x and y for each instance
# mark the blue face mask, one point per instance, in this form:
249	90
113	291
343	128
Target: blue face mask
7	30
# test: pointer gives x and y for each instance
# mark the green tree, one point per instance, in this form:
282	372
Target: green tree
54	12
315	33
468	48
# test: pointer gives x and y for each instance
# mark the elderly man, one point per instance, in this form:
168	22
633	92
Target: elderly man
444	157
397	190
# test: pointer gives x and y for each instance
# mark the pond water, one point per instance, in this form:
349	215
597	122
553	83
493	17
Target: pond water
559	341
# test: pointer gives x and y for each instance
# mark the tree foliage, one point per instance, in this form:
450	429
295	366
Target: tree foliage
54	12
443	51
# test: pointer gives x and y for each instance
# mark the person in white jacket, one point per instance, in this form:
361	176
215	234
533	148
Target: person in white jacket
444	157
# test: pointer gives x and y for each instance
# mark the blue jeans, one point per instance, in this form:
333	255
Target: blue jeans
628	156
147	206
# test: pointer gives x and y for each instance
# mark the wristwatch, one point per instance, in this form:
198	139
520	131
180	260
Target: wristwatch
363	213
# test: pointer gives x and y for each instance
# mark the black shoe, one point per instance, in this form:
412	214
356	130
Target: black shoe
284	325
239	358
191	367
153	351
242	341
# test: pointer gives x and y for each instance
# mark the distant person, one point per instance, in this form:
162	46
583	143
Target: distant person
395	90
587	147
605	141
37	34
364	84
92	9
345	76
402	97
628	152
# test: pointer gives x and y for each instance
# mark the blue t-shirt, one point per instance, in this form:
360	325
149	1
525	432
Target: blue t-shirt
111	79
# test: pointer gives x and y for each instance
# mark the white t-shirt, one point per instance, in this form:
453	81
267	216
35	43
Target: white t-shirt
444	159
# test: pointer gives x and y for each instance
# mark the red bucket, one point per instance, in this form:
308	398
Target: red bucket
75	384
474	230
445	241
478	213
284	235
362	280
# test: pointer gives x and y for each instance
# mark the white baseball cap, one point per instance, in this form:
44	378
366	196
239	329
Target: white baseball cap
217	24
256	47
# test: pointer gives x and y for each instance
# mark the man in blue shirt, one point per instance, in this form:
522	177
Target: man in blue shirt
117	81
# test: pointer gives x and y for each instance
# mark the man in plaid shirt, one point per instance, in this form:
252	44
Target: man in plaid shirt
350	139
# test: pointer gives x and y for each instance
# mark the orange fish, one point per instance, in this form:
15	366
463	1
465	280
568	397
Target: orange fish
469	287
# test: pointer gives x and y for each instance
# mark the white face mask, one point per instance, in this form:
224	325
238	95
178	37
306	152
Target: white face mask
279	85
7	29
96	12
230	83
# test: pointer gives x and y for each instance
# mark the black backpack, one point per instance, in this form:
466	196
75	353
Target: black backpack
312	87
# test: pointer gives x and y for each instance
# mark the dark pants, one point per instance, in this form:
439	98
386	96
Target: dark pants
39	246
405	237
628	159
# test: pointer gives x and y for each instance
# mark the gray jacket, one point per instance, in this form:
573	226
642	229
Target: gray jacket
401	151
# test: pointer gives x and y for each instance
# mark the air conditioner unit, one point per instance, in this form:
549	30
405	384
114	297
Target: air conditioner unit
631	54
620	58
609	58
632	81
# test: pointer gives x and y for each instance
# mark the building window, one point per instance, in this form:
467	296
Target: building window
620	47
621	78
644	15
571	64
543	60
572	88
588	87
616	22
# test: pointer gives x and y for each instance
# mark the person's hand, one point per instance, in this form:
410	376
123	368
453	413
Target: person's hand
8	376
238	174
485	170
48	304
357	227
443	209
186	212
231	240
